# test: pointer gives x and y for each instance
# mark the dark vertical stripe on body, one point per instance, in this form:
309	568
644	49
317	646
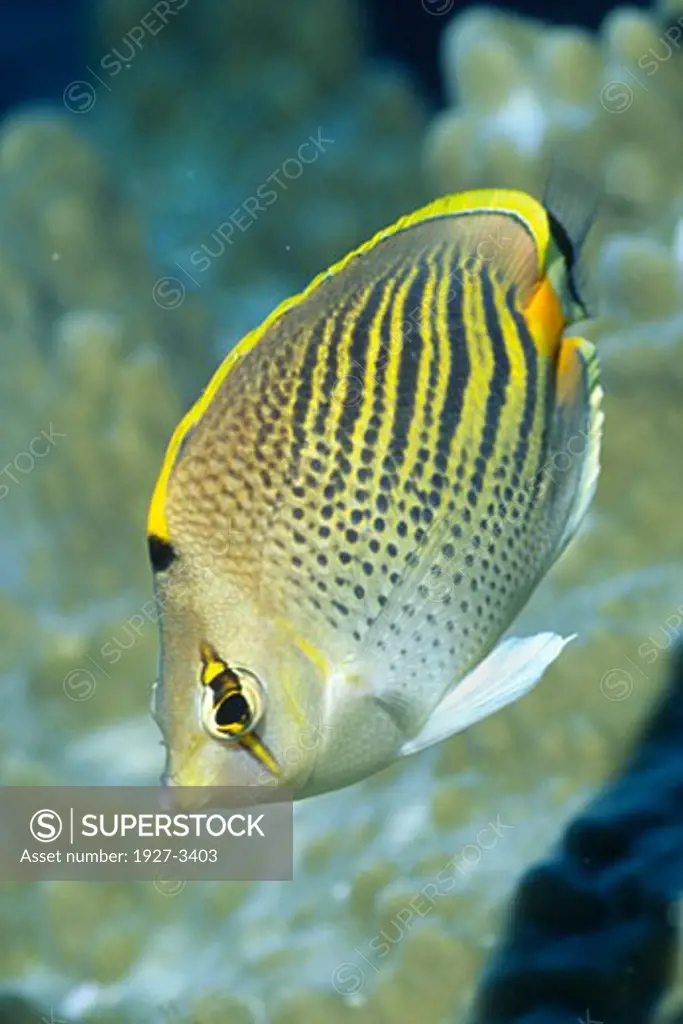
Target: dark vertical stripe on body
459	373
304	391
386	467
435	362
500	377
356	394
331	378
384	353
548	412
531	360
411	345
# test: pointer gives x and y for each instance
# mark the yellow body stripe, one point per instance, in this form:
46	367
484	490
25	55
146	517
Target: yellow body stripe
317	379
347	374
470	428
444	346
374	346
393	366
511	414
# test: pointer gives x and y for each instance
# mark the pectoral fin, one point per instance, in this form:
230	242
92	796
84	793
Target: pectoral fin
509	671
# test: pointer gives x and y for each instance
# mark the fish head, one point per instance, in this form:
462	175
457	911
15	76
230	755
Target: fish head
239	701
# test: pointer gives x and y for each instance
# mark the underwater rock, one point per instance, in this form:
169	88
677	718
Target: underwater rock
592	929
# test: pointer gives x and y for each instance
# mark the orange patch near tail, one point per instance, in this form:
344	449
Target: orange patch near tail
546	319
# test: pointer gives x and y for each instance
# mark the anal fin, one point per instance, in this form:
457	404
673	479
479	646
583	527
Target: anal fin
510	670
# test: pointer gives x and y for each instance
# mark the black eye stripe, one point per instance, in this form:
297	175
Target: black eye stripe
161	553
227	680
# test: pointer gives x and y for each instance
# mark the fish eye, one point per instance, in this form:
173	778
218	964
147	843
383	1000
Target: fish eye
233	701
235	712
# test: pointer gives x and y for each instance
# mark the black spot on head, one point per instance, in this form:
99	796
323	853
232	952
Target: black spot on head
161	553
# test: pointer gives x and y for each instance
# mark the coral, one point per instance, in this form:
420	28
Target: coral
221	107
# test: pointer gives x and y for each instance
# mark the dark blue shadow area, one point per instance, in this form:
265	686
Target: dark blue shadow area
44	43
592	930
43	46
409	30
